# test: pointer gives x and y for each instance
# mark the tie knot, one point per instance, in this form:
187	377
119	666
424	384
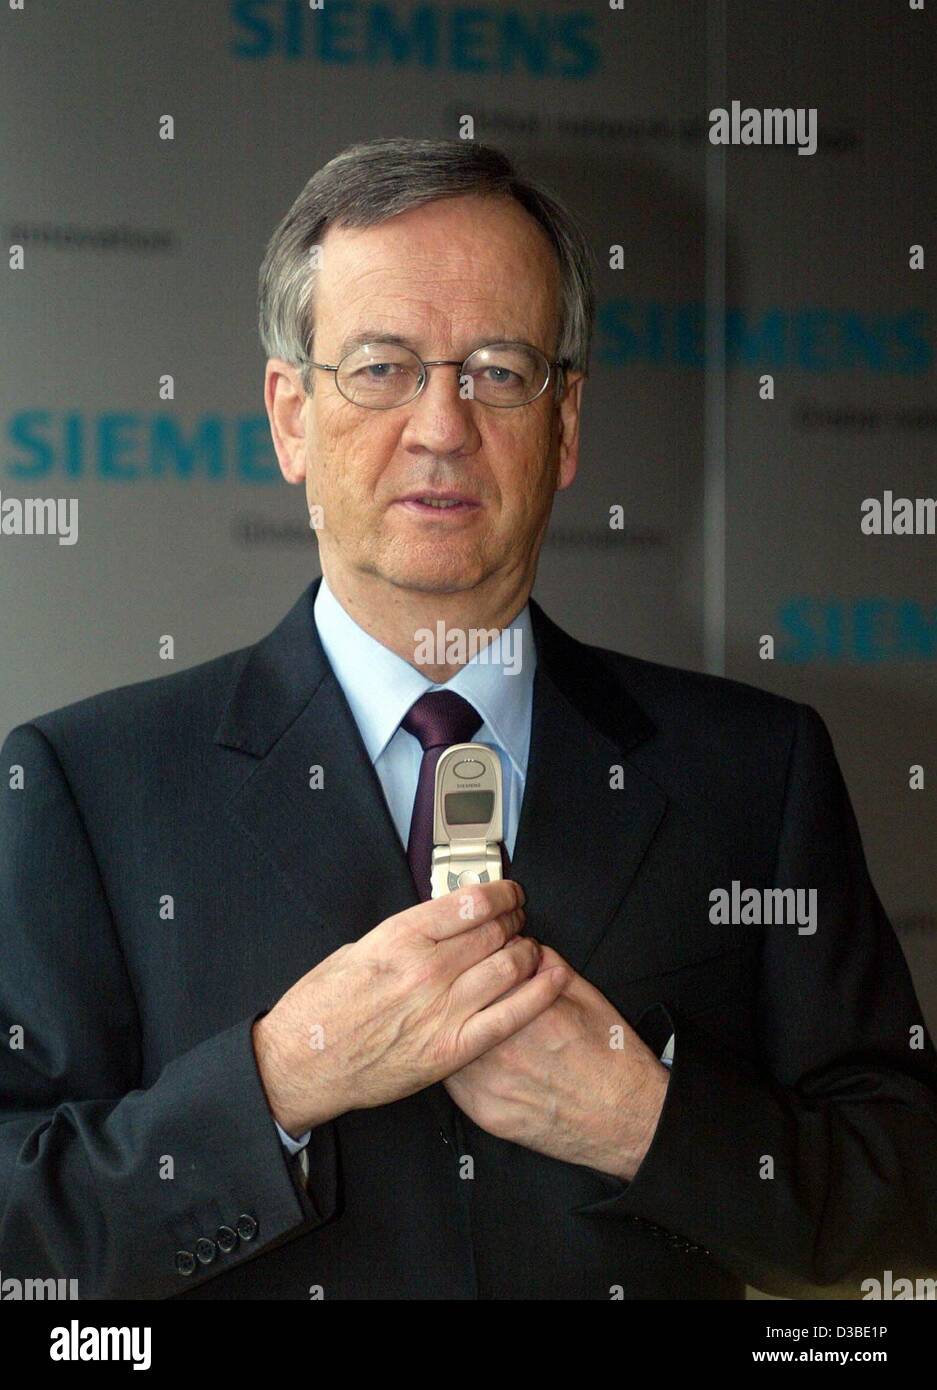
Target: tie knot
441	717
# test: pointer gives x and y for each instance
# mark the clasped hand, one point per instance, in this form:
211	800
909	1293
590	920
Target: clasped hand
451	990
576	1082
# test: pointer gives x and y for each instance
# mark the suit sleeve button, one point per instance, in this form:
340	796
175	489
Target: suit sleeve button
227	1239
205	1250
246	1227
185	1261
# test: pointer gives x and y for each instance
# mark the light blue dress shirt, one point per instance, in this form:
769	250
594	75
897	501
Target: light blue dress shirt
380	688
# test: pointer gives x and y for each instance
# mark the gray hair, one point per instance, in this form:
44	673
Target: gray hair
367	184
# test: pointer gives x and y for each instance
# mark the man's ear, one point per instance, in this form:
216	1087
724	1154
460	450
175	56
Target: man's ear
568	411
284	399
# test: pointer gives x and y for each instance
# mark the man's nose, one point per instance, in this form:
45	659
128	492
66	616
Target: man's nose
440	419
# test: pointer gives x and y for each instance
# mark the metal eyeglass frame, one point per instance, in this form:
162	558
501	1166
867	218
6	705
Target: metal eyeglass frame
560	366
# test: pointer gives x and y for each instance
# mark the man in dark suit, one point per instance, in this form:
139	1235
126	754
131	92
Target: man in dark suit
251	1058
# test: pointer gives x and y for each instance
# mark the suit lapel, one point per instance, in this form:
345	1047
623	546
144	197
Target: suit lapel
588	814
337	843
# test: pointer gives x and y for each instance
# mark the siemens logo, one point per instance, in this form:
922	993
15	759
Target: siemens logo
856	630
806	339
128	447
472	38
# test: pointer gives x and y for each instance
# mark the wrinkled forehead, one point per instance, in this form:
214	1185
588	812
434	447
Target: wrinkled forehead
453	269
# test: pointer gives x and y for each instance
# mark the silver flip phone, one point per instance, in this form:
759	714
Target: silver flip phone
467	818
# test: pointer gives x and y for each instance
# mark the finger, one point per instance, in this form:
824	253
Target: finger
577	988
477	903
549	959
494	976
440	918
460	953
506	1017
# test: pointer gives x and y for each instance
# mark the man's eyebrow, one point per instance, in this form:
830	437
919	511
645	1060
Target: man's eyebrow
372	335
375	335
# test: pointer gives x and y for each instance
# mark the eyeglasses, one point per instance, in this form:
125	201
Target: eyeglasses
380	376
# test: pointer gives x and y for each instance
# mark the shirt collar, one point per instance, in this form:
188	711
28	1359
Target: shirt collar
380	686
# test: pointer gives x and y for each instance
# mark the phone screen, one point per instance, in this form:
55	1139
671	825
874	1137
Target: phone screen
469	808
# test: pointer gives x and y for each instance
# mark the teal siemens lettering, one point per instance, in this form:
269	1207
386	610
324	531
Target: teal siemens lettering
488	38
123	448
856	630
805	338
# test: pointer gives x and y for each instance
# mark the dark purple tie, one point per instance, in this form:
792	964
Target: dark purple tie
438	719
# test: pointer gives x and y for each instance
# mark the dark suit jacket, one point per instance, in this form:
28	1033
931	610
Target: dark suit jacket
136	1052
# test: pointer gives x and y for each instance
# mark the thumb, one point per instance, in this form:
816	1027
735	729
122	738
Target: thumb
549	958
